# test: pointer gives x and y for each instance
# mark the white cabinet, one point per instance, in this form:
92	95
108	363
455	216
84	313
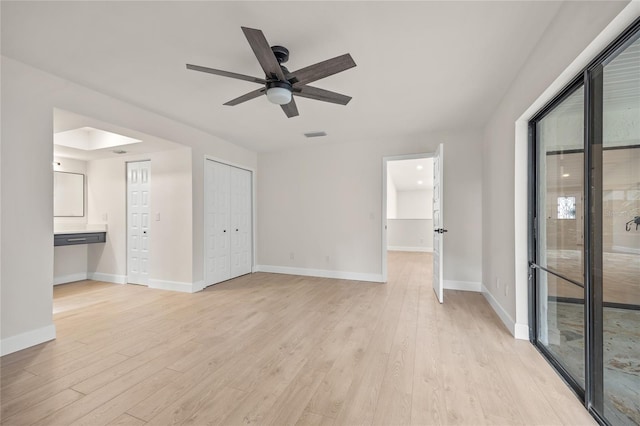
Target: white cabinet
228	220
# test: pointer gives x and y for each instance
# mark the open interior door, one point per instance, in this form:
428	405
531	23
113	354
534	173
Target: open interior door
438	231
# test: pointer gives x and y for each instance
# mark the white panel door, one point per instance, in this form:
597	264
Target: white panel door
217	223
438	231
240	189
138	221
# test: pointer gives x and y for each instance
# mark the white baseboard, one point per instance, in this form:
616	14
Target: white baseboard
26	340
80	276
463	285
109	278
519	331
171	285
198	286
322	273
417	249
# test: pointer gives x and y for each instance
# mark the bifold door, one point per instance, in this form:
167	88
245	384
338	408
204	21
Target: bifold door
228	220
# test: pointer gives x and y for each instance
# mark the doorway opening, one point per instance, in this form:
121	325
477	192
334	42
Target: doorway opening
92	243
407	208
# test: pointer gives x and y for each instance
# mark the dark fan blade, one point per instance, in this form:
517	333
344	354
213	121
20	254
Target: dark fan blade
263	52
321	95
246	97
322	69
226	74
290	109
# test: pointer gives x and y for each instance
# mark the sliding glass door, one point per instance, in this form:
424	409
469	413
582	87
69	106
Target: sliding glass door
585	232
620	234
560	253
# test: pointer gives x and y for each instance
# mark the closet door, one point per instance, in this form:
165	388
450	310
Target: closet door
217	222
240	191
138	224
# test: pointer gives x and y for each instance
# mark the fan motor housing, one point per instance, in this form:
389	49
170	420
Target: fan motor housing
281	53
283	84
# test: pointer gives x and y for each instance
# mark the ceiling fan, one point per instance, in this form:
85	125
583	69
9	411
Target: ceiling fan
279	84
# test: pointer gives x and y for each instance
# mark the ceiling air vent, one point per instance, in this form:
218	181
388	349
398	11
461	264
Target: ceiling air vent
315	134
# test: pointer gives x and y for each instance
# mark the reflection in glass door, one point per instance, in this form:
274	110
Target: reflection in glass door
560	254
620	235
585	232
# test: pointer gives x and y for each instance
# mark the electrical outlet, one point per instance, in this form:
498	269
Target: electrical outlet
291	256
506	290
105	217
327	258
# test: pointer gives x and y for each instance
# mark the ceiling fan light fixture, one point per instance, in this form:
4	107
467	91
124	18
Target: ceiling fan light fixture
279	92
279	95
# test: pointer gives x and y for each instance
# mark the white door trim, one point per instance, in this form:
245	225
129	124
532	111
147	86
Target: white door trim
384	202
438	222
254	239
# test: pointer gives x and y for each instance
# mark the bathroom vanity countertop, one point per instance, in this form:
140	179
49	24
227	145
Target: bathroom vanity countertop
79	229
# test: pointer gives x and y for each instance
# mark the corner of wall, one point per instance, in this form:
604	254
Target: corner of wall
22	341
519	331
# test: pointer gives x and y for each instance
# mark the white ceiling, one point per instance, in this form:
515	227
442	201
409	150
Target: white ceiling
65	121
406	174
422	66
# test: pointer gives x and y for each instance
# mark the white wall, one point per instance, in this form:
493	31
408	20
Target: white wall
412	228
28	99
70	262
415	204
392	198
410	234
575	26
171	236
326	200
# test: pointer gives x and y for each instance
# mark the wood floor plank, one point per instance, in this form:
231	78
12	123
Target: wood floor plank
24	401
40	353
283	350
117	406
127	420
113	389
427	405
395	397
214	409
162	350
44	408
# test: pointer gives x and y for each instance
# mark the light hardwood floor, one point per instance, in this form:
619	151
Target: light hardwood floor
282	350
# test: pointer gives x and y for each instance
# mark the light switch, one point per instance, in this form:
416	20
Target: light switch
157	217
105	217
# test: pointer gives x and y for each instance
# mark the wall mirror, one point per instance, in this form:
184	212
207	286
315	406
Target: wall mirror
68	194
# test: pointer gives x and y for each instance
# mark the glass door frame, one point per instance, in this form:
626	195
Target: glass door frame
591	77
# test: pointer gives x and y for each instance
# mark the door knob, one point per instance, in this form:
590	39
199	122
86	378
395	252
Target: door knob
440	230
